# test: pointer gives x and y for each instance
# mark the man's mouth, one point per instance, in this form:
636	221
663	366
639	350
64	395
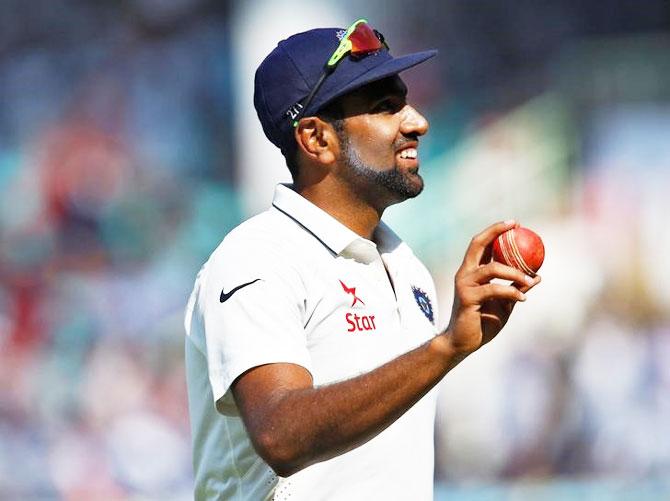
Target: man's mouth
409	153
408	158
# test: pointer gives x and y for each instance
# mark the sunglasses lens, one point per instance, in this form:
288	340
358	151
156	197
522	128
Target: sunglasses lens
363	40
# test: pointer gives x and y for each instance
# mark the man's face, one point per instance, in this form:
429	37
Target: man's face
379	143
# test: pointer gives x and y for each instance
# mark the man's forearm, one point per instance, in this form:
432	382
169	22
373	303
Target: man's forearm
304	426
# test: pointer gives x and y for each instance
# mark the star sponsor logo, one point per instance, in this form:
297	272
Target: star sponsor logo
352	291
358	323
355	321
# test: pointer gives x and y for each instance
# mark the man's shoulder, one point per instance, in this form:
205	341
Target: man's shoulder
269	233
264	225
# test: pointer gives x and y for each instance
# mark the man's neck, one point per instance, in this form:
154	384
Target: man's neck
348	209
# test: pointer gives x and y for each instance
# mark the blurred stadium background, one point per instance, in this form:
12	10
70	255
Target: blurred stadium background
129	146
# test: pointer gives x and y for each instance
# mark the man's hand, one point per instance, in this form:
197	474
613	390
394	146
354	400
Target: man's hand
481	308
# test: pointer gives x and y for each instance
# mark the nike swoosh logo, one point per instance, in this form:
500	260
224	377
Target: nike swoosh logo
225	296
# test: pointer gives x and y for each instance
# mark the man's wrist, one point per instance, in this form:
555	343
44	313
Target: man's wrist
444	348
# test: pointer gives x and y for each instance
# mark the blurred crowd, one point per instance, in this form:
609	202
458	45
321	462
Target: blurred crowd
118	176
115	187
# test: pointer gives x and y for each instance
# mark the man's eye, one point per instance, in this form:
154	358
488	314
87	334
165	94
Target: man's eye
388	105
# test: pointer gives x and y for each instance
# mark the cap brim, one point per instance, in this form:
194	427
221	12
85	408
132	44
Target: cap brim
385	69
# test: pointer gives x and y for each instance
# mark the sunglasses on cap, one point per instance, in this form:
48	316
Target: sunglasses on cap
359	40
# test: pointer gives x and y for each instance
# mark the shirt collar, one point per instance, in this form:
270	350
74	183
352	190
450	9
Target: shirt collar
324	227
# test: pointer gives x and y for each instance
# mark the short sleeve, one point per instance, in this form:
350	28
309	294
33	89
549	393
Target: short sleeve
253	310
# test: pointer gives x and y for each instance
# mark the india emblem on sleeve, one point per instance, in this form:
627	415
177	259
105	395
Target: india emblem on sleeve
424	303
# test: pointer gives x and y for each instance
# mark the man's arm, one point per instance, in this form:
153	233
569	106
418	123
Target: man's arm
293	424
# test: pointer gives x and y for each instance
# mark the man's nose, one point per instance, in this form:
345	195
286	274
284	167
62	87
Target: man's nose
413	122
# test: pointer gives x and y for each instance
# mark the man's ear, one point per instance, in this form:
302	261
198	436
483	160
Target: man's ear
317	140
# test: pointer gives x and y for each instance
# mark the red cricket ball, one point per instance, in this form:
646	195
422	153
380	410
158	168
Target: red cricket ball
520	248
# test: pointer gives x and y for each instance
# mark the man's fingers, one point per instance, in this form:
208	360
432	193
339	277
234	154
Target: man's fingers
525	287
482	293
485	273
480	243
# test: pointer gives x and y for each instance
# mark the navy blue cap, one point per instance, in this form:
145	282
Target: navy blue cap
288	73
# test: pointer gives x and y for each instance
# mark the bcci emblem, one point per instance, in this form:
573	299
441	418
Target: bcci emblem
423	301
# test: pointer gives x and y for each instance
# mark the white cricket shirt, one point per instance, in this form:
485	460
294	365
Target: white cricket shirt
294	285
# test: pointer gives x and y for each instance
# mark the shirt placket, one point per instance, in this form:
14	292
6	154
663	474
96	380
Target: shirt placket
383	281
366	252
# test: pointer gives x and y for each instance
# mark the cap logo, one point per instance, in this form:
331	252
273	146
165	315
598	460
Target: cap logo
340	34
294	111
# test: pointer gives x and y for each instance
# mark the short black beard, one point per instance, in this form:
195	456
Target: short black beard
397	187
